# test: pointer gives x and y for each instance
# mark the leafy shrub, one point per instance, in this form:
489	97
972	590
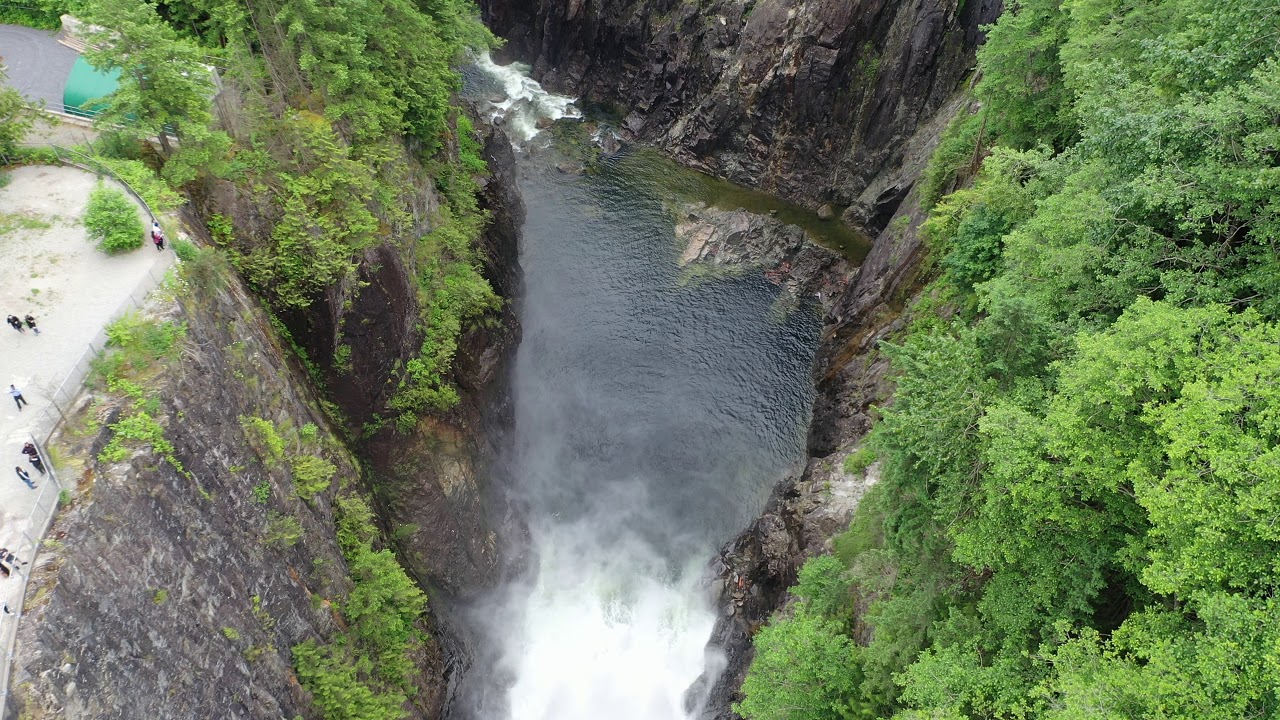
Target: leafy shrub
143	180
309	432
804	669
470	154
283	531
15	119
262	493
957	150
41	14
136	344
975	251
451	293
859	460
112	220
330	673
184	249
36	156
264	439
362	673
824	586
115	145
139	427
207	269
311	475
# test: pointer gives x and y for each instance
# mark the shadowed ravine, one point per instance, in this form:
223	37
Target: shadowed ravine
653	413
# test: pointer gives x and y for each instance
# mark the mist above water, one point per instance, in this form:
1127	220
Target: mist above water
653	411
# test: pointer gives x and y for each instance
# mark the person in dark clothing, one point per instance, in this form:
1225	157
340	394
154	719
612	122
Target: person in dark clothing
9	562
34	455
31	323
25	477
10	558
15	323
17	397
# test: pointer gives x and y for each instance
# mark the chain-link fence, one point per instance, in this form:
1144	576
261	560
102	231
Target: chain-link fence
61	399
24	550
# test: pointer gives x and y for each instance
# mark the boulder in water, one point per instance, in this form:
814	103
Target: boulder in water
826	212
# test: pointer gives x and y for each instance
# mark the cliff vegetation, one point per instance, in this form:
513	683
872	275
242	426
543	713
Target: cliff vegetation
1079	471
320	147
308	136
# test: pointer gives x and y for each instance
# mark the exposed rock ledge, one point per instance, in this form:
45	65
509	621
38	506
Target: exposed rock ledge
742	241
752	573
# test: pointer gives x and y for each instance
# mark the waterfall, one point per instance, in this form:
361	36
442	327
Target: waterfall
524	102
652	416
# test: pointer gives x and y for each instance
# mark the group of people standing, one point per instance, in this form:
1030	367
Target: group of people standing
17	323
33	456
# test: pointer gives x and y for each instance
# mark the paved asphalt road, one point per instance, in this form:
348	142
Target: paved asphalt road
36	63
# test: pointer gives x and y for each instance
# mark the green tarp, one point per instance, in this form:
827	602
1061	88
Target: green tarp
85	84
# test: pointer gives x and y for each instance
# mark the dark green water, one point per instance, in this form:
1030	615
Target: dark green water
681	184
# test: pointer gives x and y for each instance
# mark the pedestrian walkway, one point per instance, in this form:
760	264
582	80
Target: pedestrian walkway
37	64
52	271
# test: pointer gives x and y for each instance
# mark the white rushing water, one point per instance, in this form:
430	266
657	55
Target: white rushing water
526	102
604	633
604	628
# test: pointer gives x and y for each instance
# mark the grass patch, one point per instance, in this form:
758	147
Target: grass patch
13	222
859	460
137	348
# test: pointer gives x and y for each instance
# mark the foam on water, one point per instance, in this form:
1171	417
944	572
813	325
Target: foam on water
605	634
526	102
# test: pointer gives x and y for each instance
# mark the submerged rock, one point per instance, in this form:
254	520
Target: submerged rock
738	240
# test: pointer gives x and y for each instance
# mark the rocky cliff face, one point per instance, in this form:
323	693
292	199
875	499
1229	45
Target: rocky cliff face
176	589
429	483
439	486
812	99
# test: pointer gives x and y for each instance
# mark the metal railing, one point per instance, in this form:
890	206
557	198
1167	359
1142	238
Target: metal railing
88	163
25	549
54	415
46	424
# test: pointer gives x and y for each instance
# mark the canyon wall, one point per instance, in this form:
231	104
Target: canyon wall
177	582
360	335
815	100
824	102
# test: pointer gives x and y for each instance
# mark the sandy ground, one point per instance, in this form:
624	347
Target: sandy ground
51	270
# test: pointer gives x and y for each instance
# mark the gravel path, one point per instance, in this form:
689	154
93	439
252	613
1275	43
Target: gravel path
51	270
37	64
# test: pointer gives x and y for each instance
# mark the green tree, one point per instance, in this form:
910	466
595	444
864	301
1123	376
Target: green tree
165	86
16	118
805	669
112	220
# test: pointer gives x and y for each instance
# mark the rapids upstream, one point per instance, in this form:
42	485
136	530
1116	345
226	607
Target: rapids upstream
653	412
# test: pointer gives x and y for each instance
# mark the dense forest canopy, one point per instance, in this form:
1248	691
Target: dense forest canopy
1079	507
